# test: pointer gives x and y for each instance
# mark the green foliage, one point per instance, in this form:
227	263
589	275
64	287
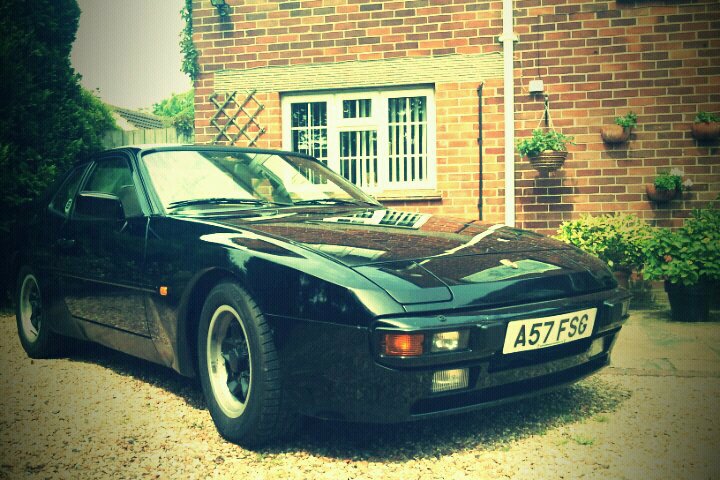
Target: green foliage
47	120
688	254
628	121
616	239
190	64
179	110
671	180
706	117
541	141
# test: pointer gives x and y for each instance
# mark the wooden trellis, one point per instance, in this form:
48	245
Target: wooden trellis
236	120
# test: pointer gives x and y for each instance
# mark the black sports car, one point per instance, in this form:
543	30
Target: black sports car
290	292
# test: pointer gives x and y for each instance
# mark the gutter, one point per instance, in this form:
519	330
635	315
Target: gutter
480	153
508	38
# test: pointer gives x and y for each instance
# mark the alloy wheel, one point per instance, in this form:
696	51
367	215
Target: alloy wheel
229	361
31	310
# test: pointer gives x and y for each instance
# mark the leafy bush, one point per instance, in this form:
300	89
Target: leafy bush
689	254
628	121
706	117
616	239
179	110
48	120
672	180
541	141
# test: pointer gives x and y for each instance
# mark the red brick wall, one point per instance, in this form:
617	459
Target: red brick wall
598	59
602	59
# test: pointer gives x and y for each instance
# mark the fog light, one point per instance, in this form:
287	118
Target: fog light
403	344
445	380
449	341
596	347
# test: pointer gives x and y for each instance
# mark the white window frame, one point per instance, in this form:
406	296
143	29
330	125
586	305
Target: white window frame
377	121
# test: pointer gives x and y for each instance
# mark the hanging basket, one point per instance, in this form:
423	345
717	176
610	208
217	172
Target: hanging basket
706	131
614	134
659	195
548	161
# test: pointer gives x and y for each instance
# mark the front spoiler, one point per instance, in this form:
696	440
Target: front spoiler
334	372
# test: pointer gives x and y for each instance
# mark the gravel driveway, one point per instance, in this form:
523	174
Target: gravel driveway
97	414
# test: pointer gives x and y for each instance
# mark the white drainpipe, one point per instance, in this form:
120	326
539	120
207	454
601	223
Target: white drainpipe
508	38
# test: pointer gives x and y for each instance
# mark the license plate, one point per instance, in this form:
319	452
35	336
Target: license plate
536	333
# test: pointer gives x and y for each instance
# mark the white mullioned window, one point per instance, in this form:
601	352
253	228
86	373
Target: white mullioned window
380	140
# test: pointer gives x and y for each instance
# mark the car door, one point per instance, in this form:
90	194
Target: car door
101	258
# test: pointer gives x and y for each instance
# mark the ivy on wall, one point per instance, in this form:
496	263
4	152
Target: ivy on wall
190	54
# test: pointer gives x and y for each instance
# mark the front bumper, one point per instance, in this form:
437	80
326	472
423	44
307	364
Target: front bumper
337	372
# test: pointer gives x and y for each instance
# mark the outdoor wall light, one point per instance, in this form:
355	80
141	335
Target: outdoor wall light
222	7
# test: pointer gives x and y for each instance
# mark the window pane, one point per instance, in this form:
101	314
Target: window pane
299	115
110	176
318	117
64	196
309	132
358	157
360	108
407	139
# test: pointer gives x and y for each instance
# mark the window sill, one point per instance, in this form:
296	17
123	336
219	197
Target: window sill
409	196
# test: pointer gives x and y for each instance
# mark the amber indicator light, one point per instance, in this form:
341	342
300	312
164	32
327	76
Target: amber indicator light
403	344
163	291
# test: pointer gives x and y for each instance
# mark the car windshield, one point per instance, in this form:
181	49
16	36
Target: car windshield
208	180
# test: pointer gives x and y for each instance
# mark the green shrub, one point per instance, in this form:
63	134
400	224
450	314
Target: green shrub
48	120
689	254
628	121
616	239
706	117
179	111
541	141
672	180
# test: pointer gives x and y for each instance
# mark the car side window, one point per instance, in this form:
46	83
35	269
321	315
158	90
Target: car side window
63	200
114	176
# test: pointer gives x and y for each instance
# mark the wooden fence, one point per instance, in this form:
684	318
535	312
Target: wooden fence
118	138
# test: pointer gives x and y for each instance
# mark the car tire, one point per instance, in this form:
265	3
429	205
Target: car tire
36	337
239	369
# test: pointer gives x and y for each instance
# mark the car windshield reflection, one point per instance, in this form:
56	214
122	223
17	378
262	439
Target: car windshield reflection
207	180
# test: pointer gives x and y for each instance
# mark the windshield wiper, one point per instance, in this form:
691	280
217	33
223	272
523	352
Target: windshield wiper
223	201
328	201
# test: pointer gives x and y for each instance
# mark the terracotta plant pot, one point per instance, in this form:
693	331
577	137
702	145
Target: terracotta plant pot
706	131
548	161
658	195
614	134
623	278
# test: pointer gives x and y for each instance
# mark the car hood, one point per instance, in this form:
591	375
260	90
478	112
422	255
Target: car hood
420	258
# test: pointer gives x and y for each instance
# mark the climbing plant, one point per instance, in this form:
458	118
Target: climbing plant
187	46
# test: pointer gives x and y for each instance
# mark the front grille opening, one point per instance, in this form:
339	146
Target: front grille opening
500	362
497	394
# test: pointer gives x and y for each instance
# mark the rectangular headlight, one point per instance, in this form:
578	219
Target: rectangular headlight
445	380
449	341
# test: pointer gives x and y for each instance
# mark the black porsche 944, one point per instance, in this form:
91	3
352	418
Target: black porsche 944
288	291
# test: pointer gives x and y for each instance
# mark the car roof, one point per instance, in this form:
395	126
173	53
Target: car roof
170	147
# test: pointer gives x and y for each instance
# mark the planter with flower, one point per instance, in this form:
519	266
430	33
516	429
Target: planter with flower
620	131
706	126
616	239
546	151
667	185
688	260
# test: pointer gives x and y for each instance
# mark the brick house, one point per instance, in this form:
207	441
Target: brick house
395	94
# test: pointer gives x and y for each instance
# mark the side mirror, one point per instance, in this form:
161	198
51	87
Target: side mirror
101	206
